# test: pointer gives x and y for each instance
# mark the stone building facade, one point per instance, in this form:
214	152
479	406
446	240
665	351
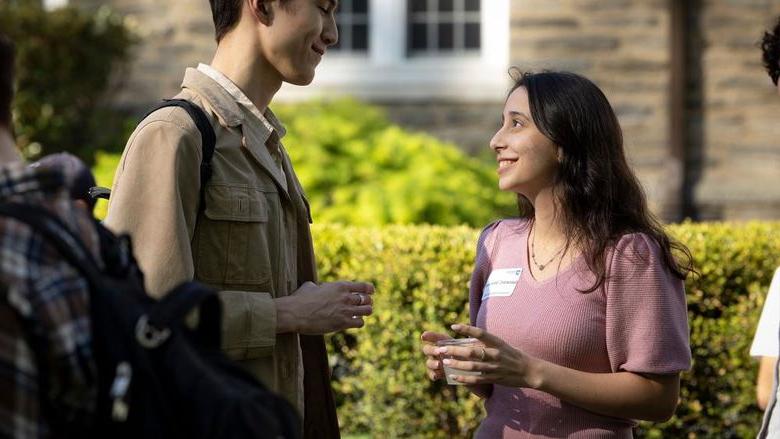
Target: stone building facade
701	119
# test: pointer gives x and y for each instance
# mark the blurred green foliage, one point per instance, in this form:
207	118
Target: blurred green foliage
421	275
104	169
66	64
358	168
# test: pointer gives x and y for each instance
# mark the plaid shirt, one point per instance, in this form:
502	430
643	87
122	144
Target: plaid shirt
42	298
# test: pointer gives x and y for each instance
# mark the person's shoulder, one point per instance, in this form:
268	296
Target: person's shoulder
173	123
505	226
636	244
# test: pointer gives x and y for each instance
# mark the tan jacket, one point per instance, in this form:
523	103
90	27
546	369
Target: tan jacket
252	241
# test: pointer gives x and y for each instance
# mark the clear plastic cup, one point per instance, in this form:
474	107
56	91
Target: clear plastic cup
460	342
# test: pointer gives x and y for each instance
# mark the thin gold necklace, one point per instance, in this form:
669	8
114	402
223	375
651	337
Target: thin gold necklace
533	253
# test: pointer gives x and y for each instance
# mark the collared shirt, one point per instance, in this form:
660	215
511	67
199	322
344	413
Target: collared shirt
43	298
267	118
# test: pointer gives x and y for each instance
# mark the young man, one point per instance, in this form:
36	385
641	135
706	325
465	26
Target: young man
769	325
250	237
42	298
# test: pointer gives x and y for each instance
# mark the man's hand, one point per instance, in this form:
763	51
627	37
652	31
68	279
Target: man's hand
320	309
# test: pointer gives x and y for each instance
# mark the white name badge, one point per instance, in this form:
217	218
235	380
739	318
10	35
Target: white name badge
501	282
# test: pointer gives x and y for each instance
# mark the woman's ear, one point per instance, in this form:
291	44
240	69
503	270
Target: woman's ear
560	154
262	11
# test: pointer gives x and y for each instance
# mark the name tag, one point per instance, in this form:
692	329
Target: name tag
501	282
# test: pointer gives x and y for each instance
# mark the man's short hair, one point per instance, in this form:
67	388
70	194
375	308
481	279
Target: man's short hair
7	59
770	46
226	14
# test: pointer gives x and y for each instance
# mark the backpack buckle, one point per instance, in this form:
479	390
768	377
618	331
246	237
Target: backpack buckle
148	336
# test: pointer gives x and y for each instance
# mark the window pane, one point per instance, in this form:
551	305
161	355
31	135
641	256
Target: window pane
446	5
360	37
472	34
418	36
360	6
418	5
472	5
446	36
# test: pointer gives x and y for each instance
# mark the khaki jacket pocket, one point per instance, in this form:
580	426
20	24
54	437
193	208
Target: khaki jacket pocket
231	237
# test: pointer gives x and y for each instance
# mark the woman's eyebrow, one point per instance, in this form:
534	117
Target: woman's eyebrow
518	113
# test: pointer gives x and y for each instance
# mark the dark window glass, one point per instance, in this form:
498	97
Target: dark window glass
446	36
472	5
418	5
352	21
360	37
418	36
360	6
472	36
443	25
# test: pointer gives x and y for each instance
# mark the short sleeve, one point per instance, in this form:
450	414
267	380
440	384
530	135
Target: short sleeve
646	315
767	339
482	269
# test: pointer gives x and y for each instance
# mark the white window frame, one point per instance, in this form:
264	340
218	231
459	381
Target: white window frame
387	73
54	4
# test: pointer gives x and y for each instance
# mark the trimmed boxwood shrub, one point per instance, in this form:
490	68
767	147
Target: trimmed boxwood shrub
421	274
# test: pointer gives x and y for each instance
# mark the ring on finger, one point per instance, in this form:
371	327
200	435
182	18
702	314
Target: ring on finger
360	298
482	354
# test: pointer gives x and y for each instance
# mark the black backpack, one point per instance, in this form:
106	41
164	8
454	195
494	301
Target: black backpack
156	377
208	143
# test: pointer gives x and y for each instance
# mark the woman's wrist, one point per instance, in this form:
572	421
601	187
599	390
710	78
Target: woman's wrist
535	373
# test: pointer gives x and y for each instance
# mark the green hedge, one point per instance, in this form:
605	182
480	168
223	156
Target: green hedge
422	273
66	62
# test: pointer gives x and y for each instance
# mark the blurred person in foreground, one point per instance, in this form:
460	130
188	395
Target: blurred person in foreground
579	303
246	232
43	299
767	338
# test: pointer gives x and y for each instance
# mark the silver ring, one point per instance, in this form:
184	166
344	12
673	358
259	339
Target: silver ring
360	296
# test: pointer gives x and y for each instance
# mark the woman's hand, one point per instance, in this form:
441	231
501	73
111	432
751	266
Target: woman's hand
498	362
433	364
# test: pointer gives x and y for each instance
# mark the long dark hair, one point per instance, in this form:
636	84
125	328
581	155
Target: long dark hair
599	199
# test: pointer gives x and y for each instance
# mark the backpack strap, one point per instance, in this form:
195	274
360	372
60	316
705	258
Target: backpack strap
207	135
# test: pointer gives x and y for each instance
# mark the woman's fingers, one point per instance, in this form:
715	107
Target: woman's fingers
469	365
480	353
433	337
471	379
433	364
478	333
430	350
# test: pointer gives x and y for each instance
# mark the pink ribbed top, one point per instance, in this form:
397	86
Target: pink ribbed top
636	322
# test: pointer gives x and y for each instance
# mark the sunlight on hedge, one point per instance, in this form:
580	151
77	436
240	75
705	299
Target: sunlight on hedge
422	273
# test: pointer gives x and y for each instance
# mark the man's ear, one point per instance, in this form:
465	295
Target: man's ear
262	11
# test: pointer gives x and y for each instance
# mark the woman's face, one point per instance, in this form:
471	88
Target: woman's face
527	160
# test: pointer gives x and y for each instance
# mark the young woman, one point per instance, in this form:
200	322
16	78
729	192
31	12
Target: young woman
579	303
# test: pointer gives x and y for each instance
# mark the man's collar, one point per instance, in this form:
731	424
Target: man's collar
227	99
225	107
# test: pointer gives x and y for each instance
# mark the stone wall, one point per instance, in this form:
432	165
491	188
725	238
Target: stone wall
737	155
173	35
623	46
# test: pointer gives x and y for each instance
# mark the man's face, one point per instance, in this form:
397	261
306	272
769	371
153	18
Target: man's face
299	35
